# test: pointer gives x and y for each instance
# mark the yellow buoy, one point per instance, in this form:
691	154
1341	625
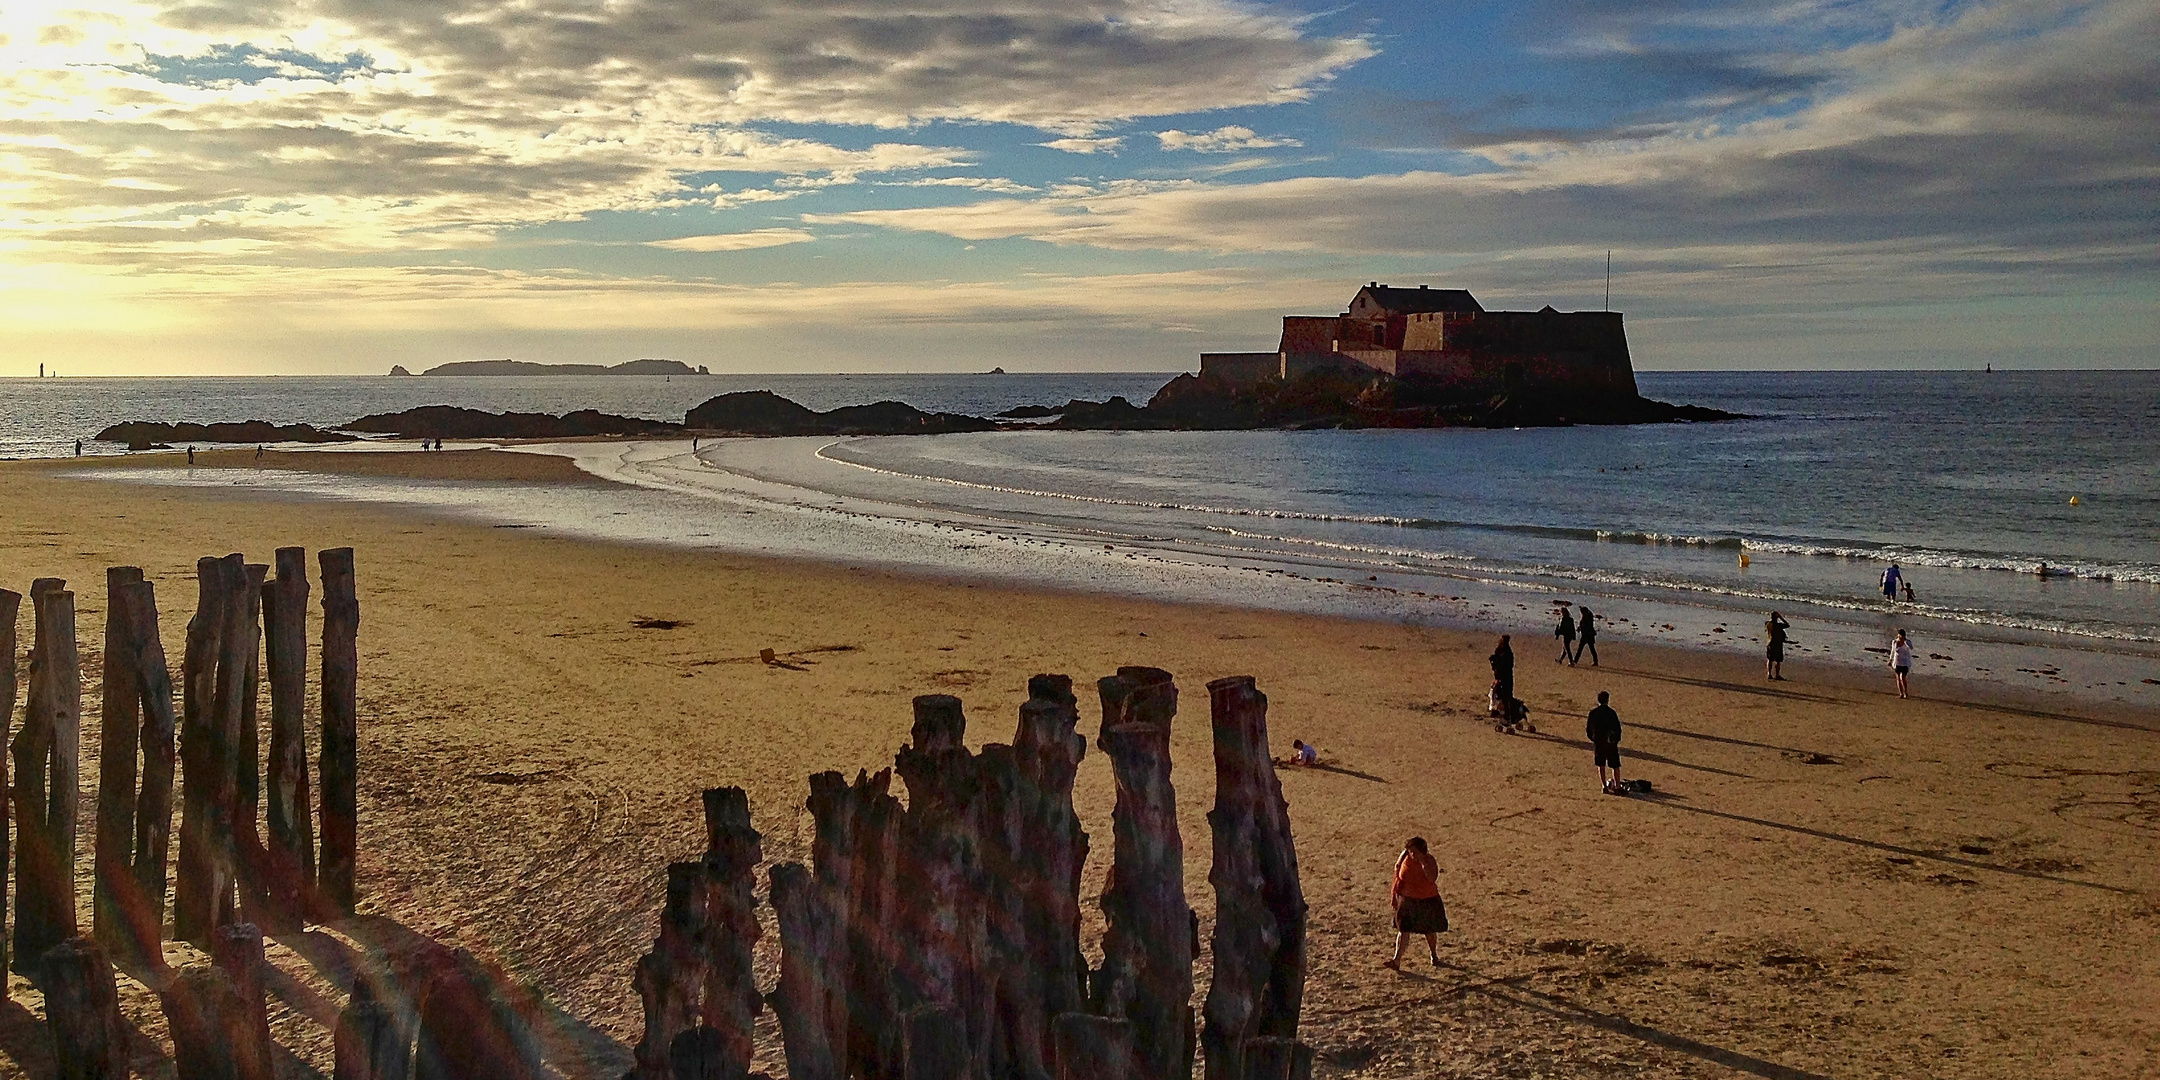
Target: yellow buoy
2074	500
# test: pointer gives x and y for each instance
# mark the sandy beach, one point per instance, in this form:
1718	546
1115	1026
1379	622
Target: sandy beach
1827	882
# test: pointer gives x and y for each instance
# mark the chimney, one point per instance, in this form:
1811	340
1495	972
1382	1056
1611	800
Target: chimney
1372	284
1424	286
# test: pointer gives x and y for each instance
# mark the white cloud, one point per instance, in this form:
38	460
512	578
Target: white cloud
341	125
738	241
995	184
1222	140
1107	145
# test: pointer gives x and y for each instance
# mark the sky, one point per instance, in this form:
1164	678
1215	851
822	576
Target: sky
336	186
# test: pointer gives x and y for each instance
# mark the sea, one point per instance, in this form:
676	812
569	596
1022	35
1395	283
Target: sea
2023	507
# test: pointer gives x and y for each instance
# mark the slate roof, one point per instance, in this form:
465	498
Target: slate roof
1420	301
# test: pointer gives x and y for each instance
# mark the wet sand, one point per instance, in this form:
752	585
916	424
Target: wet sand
1828	881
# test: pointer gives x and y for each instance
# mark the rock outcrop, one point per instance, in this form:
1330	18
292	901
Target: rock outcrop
762	412
143	434
527	367
453	422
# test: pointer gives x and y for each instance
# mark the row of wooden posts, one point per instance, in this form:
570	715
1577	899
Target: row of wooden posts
941	941
234	879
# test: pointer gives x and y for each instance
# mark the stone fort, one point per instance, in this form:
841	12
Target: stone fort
1445	339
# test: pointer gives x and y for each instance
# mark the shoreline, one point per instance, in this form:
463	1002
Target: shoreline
1807	844
2033	667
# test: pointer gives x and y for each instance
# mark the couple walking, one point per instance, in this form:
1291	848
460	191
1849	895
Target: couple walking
1570	630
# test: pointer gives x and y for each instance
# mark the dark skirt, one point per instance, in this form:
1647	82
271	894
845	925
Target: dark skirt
1426	915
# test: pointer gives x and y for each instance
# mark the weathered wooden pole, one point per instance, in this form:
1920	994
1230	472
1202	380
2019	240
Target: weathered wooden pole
1258	987
213	1028
82	1009
46	780
340	735
374	1038
944	920
204	882
289	861
133	825
10	608
474	1025
237	950
811	996
1148	946
1033	852
250	861
670	978
144	909
856	851
1090	1047
114	842
732	852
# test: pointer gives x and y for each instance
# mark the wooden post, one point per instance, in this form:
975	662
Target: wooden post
474	1025
1268	1057
213	1028
702	1053
289	861
133	825
732	853
1148	946
374	1039
1094	1048
250	869
943	921
856	850
46	781
670	978
10	608
811	998
937	1045
340	736
144	910
237	950
1258	986
82	1008
1033	852
211	689
114	843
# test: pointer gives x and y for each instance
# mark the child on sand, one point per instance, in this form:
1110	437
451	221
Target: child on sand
1604	732
1901	661
1303	753
1415	896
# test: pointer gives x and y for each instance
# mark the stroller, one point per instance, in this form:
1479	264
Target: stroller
1511	717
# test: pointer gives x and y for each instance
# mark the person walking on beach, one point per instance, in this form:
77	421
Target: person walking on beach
1891	579
191	455
1908	592
1566	633
78	448
1415	896
1603	729
1503	669
1774	652
1586	630
1901	662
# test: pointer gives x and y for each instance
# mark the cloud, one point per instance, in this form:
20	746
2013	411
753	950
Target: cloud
1108	145
739	241
998	184
1222	140
1990	149
345	125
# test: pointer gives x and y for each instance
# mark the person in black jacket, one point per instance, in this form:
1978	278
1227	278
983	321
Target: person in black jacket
1503	670
1586	632
1604	732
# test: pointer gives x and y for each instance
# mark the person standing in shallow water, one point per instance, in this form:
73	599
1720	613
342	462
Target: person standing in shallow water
1774	652
1586	629
1415	895
1566	633
1503	670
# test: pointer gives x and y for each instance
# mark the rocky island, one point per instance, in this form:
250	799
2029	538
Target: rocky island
527	367
1397	358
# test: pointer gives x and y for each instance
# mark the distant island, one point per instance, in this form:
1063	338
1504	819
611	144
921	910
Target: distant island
1398	358
527	367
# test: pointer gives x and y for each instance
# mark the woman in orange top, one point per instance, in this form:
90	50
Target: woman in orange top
1416	898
